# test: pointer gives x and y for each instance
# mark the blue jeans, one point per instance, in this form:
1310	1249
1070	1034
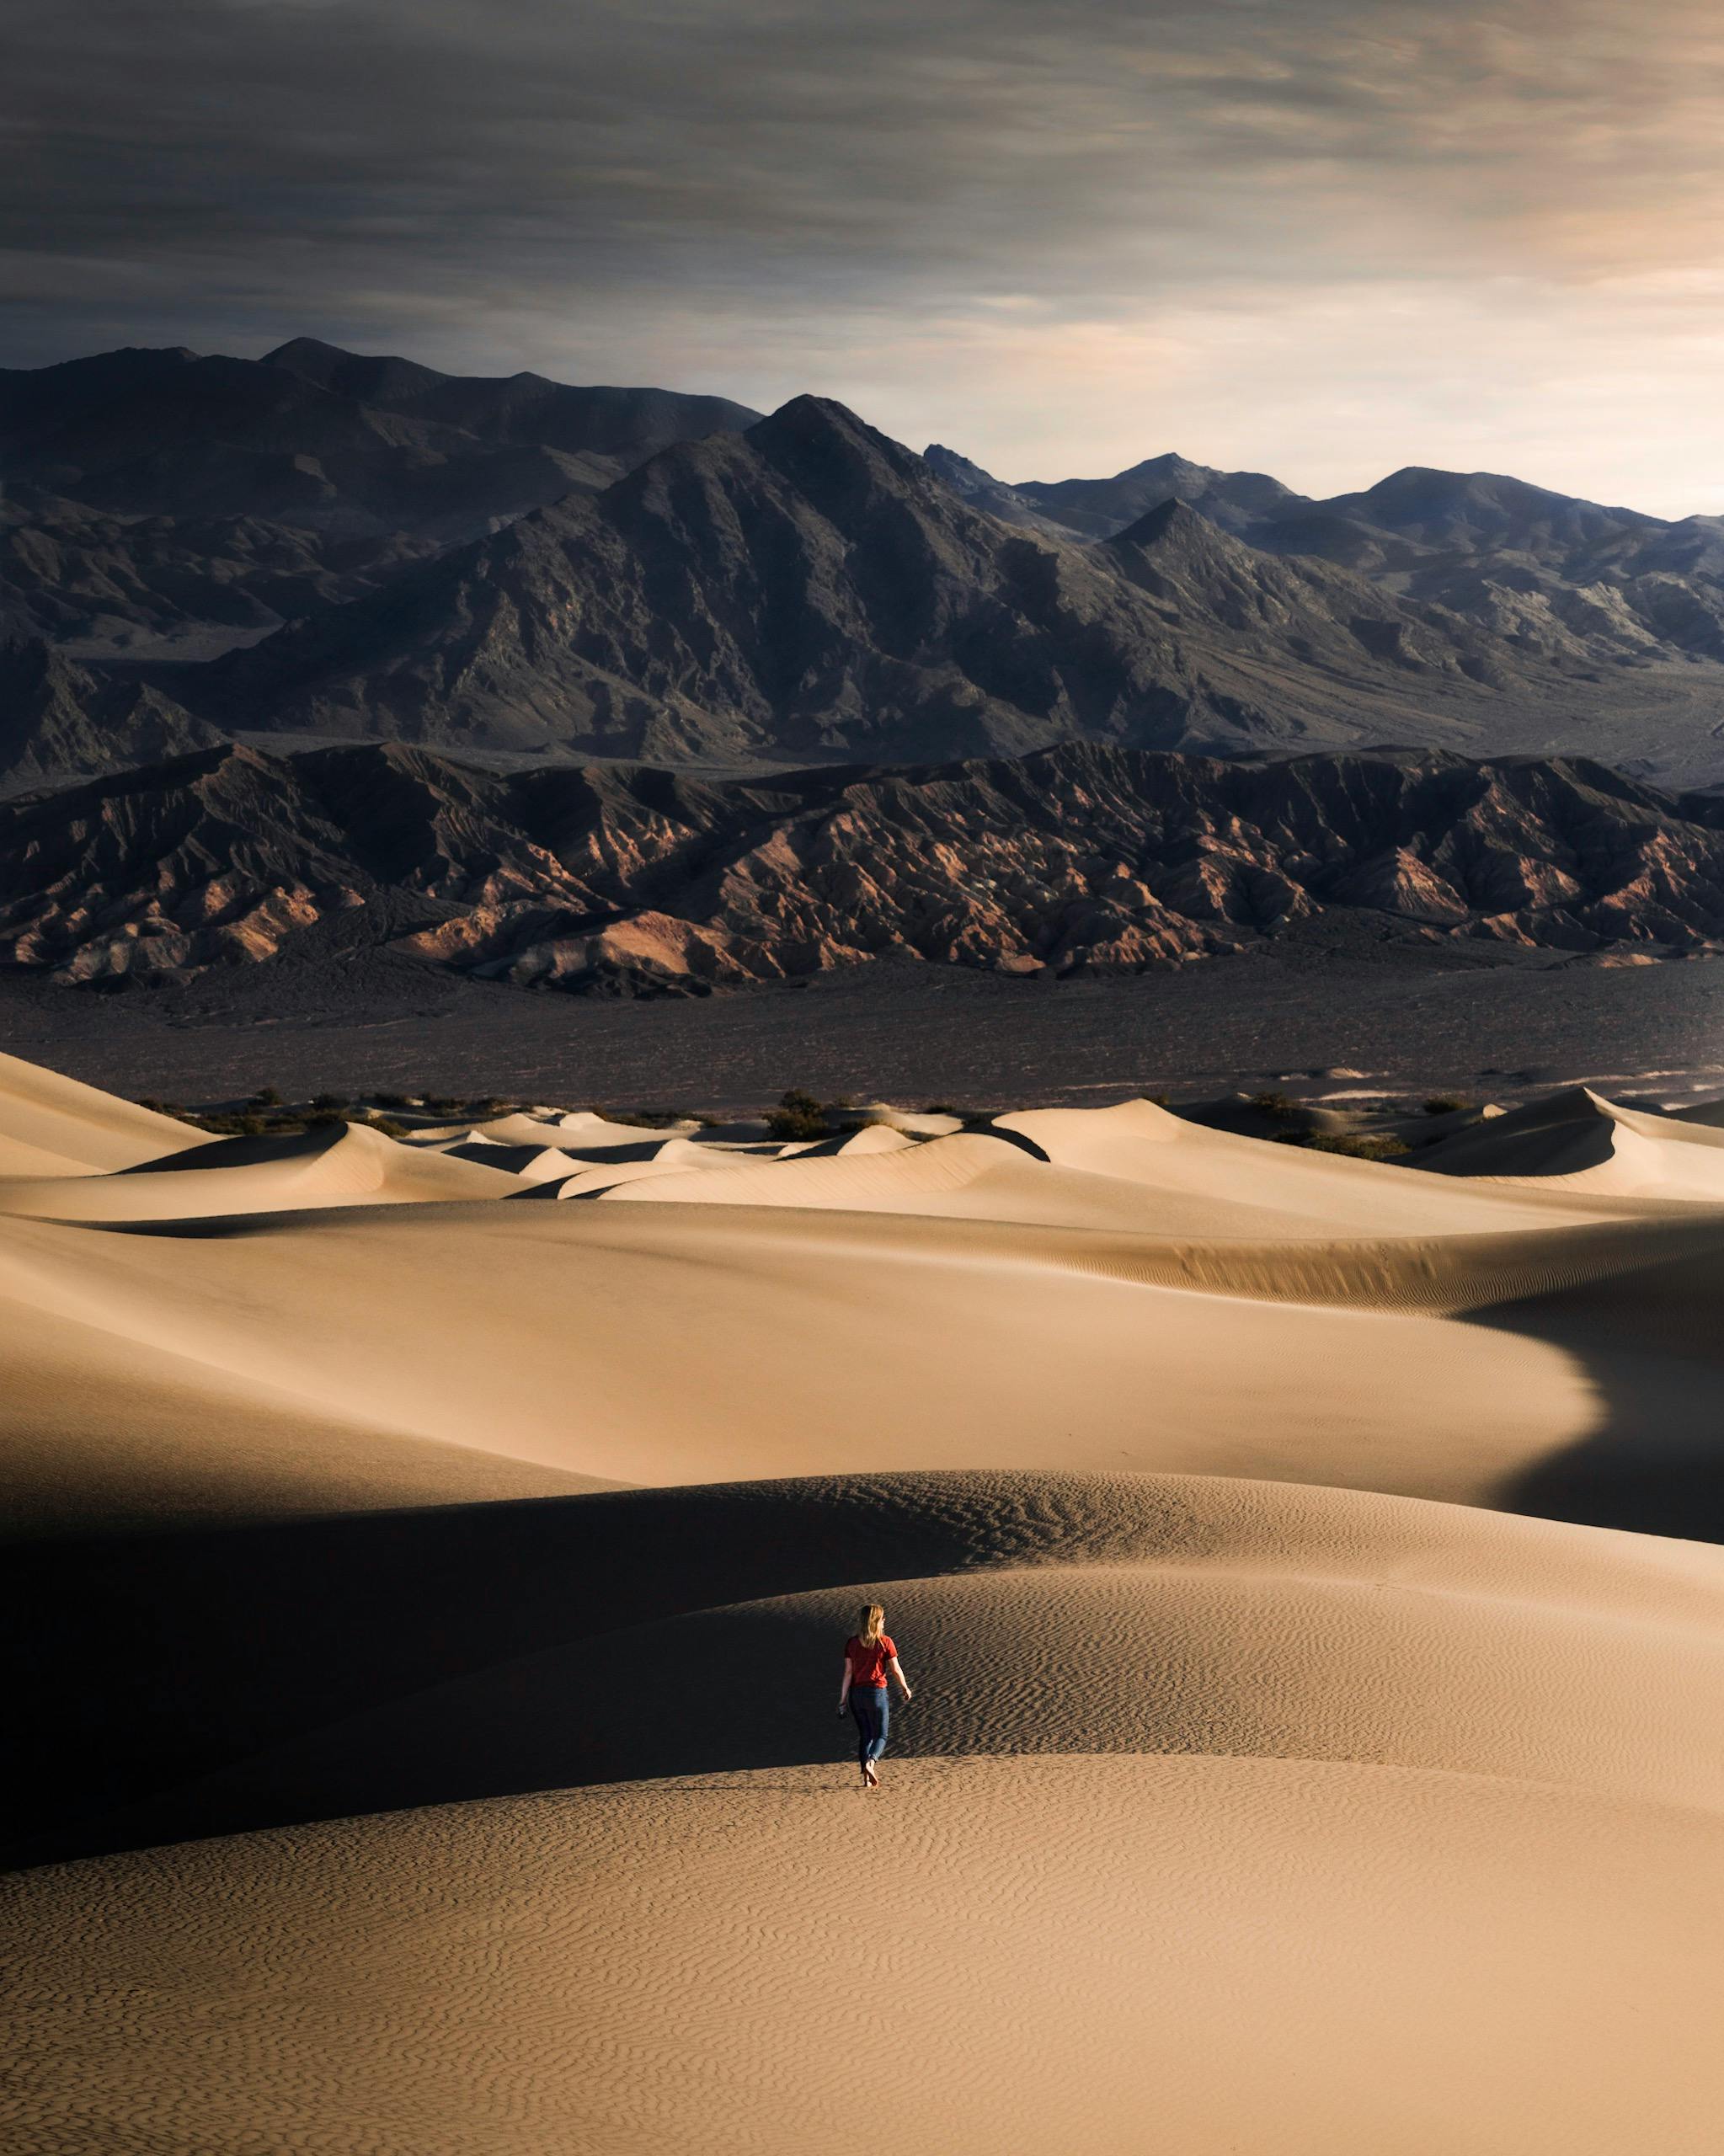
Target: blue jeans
873	1711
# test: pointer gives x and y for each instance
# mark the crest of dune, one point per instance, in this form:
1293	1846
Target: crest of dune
345	1164
578	1132
1131	1167
54	1126
1578	1141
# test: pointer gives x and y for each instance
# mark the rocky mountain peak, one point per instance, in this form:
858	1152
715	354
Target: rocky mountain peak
307	356
817	442
1174	525
962	474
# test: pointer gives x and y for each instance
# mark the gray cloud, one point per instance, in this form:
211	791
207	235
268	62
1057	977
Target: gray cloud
888	200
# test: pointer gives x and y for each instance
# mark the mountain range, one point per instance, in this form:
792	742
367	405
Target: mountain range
629	879
809	588
328	546
1553	575
164	503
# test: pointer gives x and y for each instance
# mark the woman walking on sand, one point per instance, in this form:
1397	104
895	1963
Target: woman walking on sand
870	1659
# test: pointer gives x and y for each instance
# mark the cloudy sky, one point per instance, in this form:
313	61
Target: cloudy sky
1322	237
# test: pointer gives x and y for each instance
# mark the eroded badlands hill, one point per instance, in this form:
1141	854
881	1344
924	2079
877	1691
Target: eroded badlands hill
628	877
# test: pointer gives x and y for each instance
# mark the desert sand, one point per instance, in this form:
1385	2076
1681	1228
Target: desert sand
1306	1566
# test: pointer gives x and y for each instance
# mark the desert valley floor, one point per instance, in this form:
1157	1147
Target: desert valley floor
431	1554
1501	1025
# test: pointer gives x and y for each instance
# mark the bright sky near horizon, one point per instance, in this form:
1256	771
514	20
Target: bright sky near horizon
1319	238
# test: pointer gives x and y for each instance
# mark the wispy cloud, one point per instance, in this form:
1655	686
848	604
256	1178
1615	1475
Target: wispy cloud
1322	234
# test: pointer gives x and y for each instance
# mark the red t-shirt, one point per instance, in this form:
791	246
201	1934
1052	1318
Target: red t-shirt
867	1664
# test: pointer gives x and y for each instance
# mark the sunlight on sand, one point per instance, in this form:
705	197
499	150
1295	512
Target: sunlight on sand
461	1530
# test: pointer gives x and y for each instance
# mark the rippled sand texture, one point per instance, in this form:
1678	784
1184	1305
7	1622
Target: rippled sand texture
1250	1799
1109	1955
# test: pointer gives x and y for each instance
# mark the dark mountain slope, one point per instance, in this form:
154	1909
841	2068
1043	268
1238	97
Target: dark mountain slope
1557	577
810	588
631	879
516	563
627	426
57	719
160	495
1474	511
983	491
1320	616
1240	502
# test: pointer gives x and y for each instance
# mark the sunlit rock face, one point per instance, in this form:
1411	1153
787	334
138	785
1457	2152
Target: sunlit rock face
622	879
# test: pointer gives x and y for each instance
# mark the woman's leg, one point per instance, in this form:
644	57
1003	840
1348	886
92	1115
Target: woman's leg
864	1724
882	1723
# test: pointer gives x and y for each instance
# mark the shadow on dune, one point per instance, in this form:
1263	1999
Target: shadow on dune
145	1663
261	1151
1650	1342
206	1681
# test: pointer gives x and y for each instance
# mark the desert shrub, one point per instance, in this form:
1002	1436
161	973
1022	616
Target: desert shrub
266	1096
797	1116
321	1101
324	1120
444	1104
1446	1103
944	1107
387	1124
392	1100
158	1106
1273	1104
1358	1145
231	1126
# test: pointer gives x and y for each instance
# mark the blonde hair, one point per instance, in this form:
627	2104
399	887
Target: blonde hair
872	1618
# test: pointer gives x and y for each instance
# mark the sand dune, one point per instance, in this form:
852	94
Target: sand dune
1210	1789
1226	1957
872	1138
1074	1613
345	1164
594	1174
1143	1170
1578	1141
579	1131
881	1115
659	1344
1152	1296
531	1163
51	1126
1250	1802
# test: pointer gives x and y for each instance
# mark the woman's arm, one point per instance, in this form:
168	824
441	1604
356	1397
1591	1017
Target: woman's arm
844	1687
893	1667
